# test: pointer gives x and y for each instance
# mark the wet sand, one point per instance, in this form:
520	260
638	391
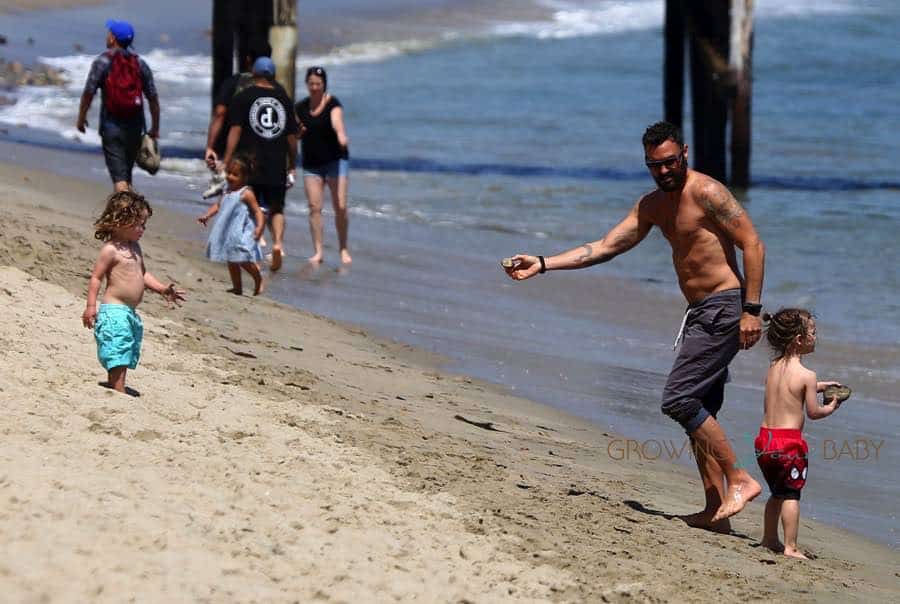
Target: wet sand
276	456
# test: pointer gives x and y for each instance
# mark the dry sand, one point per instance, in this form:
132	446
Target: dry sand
275	456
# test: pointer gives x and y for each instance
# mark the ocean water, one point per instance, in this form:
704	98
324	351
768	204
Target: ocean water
479	133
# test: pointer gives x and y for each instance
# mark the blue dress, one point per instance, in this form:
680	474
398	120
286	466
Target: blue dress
231	237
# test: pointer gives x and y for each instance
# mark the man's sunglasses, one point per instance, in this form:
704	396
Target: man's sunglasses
669	162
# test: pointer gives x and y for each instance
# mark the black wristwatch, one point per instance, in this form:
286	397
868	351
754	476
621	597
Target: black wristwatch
752	308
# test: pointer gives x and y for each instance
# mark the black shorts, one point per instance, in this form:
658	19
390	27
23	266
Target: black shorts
120	149
695	389
270	197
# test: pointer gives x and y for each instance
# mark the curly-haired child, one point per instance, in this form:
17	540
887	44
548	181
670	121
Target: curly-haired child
118	329
781	451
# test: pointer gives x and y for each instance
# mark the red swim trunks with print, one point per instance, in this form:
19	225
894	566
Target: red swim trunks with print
782	456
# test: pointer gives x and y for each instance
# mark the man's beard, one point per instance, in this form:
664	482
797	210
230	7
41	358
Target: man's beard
672	181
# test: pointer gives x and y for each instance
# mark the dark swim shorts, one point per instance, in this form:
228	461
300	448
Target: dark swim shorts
120	149
695	389
270	197
782	455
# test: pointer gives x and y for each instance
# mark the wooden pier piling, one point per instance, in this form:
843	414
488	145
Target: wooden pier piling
673	68
719	34
283	38
238	24
741	64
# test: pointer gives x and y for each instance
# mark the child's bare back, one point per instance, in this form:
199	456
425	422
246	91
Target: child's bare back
789	385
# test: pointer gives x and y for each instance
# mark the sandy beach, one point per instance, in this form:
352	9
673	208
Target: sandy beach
276	456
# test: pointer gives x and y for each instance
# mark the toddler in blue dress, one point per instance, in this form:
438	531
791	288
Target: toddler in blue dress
234	238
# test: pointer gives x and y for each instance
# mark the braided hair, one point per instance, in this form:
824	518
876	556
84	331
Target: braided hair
783	328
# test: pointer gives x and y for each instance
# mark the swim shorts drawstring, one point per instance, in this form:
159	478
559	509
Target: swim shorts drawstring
680	336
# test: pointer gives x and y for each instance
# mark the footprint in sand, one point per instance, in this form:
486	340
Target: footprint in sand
146	435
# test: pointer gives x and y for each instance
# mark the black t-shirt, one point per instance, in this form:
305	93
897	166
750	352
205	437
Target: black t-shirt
266	120
319	144
232	85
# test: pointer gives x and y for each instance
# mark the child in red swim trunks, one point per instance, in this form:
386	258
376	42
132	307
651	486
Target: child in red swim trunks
780	449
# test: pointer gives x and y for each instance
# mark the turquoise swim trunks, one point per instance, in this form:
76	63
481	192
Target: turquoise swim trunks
119	332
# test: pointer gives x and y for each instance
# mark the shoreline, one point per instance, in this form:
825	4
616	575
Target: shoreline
541	488
618	394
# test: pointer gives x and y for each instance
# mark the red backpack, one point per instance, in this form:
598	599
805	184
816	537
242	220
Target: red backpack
123	90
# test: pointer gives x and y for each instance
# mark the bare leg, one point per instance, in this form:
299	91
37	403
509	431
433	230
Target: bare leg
315	187
116	378
790	521
276	224
253	269
338	188
714	489
234	271
741	486
770	525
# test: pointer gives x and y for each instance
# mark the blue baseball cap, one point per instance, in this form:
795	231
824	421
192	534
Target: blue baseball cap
263	66
121	31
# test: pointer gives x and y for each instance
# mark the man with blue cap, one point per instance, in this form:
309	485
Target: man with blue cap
217	133
125	80
261	122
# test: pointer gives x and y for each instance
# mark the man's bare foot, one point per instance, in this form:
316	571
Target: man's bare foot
345	256
703	520
258	284
737	496
316	258
774	545
791	552
235	291
276	258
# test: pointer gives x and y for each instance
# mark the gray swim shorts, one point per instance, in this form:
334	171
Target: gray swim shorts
120	149
695	389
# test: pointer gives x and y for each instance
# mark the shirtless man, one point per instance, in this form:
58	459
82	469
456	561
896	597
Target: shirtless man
703	223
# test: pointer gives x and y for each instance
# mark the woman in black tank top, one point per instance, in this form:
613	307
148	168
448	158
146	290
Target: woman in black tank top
324	146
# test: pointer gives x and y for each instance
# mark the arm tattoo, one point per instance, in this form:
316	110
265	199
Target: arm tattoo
722	206
588	252
586	260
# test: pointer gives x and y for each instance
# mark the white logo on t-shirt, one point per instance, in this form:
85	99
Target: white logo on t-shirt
267	117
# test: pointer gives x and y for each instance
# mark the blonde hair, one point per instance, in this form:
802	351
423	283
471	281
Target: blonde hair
123	209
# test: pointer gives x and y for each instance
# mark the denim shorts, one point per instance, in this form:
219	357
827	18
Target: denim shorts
120	149
334	169
119	332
